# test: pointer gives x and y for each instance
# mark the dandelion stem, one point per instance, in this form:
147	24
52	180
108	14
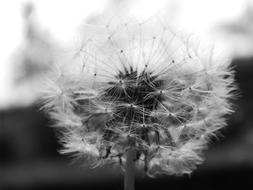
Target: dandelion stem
129	170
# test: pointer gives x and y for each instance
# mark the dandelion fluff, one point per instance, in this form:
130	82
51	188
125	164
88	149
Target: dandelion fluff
139	85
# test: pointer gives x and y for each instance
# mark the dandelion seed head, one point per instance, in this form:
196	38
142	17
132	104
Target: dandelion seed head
139	85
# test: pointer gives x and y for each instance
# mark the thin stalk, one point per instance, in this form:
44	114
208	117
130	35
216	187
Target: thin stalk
129	175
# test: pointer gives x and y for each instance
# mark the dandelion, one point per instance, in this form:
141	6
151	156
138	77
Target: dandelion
139	95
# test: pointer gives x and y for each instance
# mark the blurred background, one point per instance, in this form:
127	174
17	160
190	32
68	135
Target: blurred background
32	32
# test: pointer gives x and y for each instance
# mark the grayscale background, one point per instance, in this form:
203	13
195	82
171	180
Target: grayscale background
31	30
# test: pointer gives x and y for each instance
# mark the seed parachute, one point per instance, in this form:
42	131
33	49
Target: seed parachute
139	85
